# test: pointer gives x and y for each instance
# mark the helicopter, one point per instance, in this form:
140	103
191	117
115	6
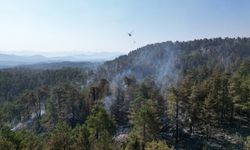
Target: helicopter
130	34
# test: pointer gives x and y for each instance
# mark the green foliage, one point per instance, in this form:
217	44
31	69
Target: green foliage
146	111
32	141
101	128
133	143
81	138
146	122
17	139
6	145
13	82
60	138
248	142
157	145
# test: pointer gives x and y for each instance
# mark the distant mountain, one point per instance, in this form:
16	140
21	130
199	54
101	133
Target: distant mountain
7	61
14	60
101	56
60	65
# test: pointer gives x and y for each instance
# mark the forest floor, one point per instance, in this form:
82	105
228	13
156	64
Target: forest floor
224	137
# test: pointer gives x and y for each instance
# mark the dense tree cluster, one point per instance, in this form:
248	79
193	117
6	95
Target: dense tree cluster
95	134
130	103
216	100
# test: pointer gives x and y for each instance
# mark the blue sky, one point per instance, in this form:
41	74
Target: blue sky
62	27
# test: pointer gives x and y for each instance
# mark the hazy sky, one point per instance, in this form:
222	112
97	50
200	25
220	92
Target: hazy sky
79	26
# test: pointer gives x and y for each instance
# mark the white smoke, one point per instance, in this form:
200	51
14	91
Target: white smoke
108	102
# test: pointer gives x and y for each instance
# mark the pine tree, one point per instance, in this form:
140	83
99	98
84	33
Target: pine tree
60	138
101	128
81	138
146	112
196	100
32	141
6	145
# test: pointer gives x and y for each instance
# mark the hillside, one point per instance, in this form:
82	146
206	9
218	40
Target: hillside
172	60
188	95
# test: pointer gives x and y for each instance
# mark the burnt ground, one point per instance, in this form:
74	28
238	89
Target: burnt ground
224	137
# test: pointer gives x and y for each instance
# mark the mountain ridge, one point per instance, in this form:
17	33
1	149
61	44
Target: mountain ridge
12	60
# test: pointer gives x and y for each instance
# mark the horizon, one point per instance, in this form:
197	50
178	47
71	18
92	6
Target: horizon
53	55
113	53
72	28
